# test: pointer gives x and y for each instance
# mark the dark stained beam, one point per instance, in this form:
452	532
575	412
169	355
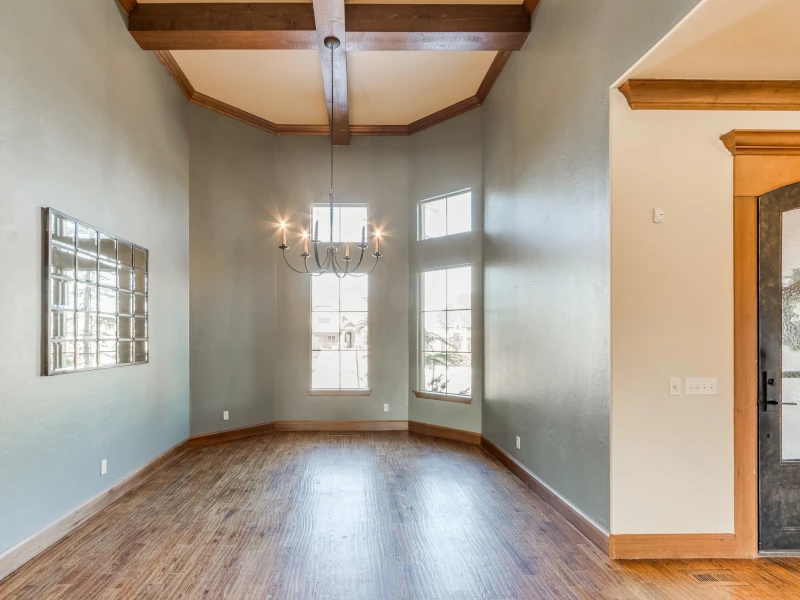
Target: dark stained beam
220	26
265	26
436	26
330	19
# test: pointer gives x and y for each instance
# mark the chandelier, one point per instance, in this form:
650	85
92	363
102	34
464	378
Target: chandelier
328	262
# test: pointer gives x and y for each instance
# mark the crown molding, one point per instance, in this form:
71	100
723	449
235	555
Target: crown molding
763	142
707	94
200	99
128	5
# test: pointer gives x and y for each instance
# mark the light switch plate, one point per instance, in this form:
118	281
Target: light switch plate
701	386
103	466
674	386
225	415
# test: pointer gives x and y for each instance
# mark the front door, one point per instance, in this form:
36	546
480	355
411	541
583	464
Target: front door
779	351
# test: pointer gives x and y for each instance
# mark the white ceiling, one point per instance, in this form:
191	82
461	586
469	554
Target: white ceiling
729	39
384	88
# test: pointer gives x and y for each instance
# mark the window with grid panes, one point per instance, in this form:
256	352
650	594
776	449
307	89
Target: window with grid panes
97	290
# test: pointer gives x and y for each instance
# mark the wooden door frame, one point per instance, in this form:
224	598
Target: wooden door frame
762	161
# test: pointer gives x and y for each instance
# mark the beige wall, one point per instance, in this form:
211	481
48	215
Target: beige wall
672	316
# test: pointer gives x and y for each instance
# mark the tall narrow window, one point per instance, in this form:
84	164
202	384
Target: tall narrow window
447	331
447	215
340	312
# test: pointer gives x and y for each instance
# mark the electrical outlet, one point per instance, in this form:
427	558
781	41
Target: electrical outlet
385	408
103	467
674	386
225	415
701	386
517	442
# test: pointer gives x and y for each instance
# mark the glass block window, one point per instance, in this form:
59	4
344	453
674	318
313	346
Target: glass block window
447	331
97	287
447	215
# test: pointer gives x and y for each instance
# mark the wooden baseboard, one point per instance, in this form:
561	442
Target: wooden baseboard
689	545
577	519
207	439
13	558
447	433
341	425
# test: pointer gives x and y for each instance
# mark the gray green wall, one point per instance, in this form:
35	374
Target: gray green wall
444	159
92	126
250	315
232	306
546	166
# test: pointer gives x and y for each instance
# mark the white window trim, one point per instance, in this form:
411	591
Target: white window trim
422	392
420	204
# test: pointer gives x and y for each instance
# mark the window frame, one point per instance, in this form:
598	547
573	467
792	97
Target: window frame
312	391
421	392
420	229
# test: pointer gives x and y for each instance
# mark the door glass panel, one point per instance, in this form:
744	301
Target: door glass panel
790	271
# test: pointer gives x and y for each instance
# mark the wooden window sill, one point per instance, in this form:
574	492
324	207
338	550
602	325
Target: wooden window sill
444	397
339	392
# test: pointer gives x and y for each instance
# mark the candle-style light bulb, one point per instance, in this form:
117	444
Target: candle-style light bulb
377	241
347	250
316	231
305	242
363	234
283	233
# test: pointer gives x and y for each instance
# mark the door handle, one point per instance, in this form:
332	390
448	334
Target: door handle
768	391
782	403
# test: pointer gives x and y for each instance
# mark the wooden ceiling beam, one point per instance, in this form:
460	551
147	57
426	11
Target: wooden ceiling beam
281	26
220	26
436	26
330	22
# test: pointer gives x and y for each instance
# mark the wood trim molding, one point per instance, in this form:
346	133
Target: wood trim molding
761	142
340	393
446	433
593	532
13	558
200	99
467	104
707	94
175	71
128	5
206	439
443	397
500	60
762	161
234	113
378	129
530	5
341	426
683	546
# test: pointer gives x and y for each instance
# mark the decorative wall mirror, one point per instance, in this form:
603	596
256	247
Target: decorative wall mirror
95	298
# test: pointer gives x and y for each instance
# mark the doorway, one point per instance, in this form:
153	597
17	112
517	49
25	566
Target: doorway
779	369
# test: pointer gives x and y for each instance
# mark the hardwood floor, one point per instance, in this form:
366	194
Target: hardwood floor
389	515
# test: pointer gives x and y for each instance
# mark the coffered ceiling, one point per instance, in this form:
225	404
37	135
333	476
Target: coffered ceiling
401	67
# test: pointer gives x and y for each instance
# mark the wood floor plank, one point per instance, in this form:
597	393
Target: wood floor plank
356	515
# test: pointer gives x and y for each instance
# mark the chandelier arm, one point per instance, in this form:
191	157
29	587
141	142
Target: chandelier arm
360	259
365	273
286	260
312	273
